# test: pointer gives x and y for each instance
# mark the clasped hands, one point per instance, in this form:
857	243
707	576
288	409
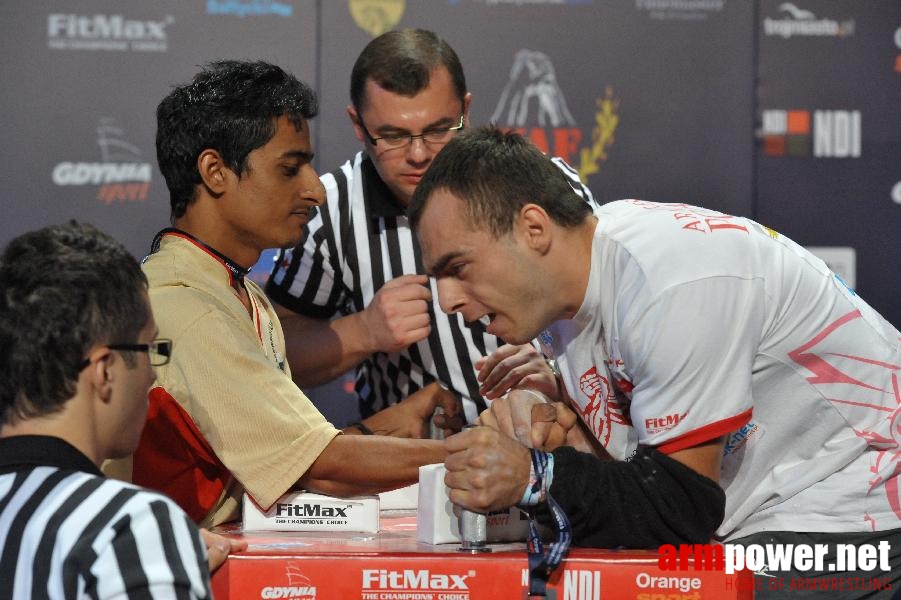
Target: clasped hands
488	466
508	367
397	317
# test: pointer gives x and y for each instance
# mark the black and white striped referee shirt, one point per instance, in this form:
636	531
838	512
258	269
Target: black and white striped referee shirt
359	240
66	531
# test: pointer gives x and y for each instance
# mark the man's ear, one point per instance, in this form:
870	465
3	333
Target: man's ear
467	99
534	225
213	171
100	373
355	121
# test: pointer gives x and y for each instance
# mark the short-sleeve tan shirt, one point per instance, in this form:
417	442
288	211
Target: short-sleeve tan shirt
228	373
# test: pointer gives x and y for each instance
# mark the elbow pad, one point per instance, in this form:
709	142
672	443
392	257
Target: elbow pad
645	502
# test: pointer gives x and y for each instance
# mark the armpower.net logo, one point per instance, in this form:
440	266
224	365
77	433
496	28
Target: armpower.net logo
768	562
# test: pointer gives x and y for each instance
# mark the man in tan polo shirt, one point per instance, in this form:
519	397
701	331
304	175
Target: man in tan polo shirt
225	416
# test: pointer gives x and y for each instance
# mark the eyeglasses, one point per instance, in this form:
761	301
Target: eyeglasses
158	350
393	141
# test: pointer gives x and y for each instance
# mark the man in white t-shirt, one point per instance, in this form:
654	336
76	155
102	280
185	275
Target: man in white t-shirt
728	383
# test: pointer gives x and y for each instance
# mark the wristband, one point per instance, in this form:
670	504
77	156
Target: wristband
536	491
363	429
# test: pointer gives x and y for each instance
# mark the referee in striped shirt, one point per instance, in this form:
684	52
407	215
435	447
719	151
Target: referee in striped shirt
78	344
353	293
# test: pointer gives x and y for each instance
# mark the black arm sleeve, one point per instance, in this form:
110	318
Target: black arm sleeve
644	502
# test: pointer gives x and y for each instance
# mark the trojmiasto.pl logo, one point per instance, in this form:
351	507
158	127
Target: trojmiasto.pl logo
121	174
799	22
532	103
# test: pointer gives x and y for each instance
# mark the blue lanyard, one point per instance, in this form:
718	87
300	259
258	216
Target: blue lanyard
542	564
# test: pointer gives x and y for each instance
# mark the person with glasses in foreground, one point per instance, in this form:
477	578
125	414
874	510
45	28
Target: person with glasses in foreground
225	417
79	348
353	294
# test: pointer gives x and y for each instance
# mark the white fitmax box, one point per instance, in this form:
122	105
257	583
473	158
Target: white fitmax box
437	521
405	498
306	511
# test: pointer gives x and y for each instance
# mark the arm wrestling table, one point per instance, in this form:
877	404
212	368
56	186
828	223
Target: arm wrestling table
392	565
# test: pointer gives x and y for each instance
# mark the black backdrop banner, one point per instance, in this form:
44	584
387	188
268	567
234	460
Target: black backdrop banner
786	112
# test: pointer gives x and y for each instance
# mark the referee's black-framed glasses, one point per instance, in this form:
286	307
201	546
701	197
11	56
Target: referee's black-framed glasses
394	141
159	351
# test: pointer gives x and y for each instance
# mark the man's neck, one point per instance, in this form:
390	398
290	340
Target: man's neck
575	270
72	424
225	244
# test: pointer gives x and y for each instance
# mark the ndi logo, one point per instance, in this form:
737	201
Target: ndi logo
836	133
580	584
573	584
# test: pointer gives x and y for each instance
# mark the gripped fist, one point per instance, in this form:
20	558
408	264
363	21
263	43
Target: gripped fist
399	313
486	470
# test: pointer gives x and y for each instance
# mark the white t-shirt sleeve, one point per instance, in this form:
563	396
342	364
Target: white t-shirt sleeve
691	351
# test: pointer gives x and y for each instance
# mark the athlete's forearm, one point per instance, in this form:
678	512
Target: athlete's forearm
364	464
318	351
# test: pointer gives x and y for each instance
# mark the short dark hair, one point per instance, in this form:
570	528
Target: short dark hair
231	107
402	62
496	173
63	289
